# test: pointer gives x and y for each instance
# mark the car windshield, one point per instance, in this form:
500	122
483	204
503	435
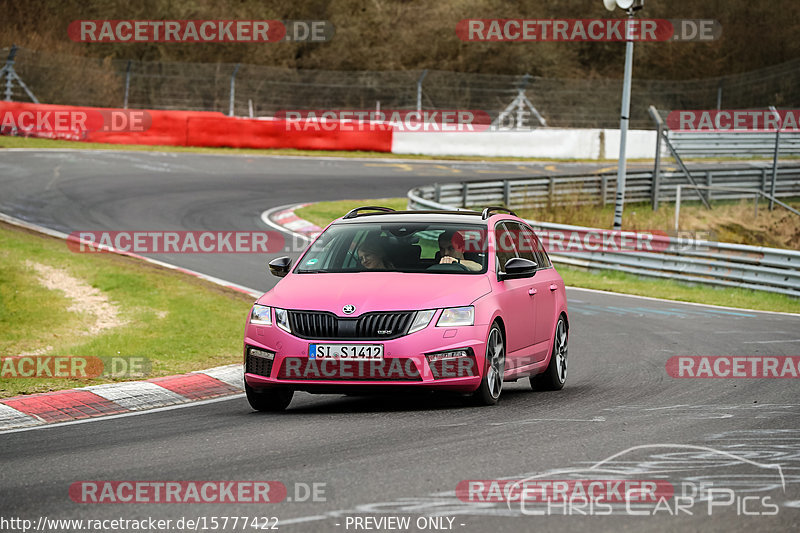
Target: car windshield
434	248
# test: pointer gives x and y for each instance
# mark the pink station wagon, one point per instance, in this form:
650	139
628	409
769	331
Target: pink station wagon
457	301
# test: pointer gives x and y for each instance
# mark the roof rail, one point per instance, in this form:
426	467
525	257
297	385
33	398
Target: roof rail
489	210
357	211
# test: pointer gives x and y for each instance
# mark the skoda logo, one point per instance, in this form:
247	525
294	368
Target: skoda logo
349	309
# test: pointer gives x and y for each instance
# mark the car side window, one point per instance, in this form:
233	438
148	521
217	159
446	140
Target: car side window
504	245
531	247
525	241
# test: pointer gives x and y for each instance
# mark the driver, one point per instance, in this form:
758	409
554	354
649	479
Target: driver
451	250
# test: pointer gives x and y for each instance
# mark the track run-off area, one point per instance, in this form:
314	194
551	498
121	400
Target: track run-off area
729	447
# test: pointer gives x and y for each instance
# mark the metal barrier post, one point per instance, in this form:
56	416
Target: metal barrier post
603	189
656	183
677	205
419	89
775	158
127	84
233	89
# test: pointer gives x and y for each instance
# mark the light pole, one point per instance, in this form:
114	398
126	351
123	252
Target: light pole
630	6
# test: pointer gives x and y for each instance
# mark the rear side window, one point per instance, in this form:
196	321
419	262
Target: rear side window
530	247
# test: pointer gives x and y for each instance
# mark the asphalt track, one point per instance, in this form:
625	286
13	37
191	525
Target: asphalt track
397	455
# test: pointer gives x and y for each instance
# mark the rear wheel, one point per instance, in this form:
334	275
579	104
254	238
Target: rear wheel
268	400
556	374
491	386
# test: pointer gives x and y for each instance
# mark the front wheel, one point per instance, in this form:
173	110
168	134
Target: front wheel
268	400
556	374
491	386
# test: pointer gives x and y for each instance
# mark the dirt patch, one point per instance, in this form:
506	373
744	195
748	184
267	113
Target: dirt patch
86	299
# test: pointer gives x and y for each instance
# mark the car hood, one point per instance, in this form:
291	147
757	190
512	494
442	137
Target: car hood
375	291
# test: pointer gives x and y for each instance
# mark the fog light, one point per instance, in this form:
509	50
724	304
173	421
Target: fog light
454	354
258	352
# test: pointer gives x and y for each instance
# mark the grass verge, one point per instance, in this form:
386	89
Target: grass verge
321	213
733	221
178	322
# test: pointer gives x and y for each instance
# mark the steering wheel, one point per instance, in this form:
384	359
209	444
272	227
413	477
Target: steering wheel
448	267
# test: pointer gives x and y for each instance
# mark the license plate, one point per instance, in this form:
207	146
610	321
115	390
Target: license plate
349	352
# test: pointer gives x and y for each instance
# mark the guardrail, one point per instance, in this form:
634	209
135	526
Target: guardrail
709	144
599	188
684	259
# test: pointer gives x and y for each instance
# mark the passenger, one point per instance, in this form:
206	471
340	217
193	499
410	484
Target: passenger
372	255
451	250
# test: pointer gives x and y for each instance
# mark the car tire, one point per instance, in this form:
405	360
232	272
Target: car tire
491	386
556	374
269	400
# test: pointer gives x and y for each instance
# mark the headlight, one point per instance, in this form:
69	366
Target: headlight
421	320
282	320
457	316
261	315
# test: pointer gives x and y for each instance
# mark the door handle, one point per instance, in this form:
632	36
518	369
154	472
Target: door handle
553	286
531	291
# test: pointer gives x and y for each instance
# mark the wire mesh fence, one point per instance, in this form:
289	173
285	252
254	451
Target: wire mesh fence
583	103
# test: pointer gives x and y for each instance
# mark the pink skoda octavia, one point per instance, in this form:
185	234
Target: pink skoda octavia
459	301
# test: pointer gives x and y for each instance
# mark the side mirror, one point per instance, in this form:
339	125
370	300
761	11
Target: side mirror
518	267
280	266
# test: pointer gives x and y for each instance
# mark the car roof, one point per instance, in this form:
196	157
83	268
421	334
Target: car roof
459	217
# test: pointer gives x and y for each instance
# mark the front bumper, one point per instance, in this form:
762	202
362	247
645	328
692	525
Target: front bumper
405	364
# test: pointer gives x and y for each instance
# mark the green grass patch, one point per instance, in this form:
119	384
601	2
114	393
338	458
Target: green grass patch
322	213
178	322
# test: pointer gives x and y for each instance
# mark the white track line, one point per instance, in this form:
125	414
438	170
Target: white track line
265	217
123	415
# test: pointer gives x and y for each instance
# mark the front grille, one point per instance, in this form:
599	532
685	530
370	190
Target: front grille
260	366
393	369
314	324
369	326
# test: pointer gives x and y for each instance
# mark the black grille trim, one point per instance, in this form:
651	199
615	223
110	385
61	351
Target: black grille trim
323	325
261	366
